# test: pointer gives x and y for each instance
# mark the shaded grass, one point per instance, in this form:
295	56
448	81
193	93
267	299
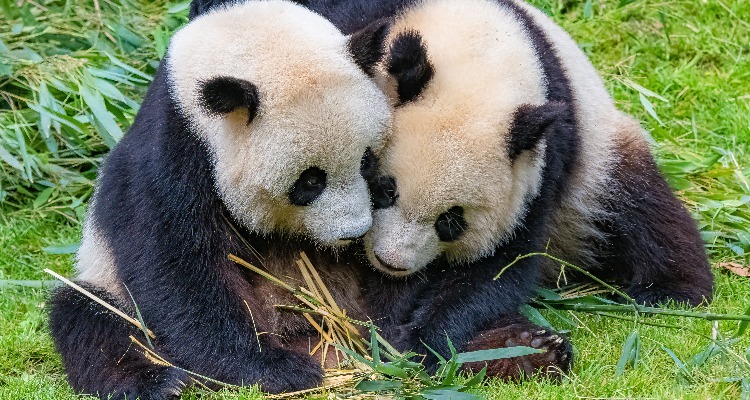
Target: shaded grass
694	54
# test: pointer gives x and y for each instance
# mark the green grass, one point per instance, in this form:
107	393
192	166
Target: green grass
692	58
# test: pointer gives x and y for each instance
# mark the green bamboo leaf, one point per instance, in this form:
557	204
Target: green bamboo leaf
588	10
126	35
62	248
535	316
144	328
628	354
9	159
649	108
743	325
36	284
643	90
374	345
378	386
683	368
448	394
42	198
128	68
107	127
391	370
477	379
60	117
496	354
177	8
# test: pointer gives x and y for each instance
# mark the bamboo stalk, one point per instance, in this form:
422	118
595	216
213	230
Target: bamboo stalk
627	308
100	301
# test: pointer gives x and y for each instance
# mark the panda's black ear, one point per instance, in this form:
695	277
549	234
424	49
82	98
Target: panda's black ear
409	64
200	7
529	124
222	95
367	46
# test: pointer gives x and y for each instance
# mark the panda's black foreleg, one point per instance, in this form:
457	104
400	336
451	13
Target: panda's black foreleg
515	330
462	303
652	240
98	354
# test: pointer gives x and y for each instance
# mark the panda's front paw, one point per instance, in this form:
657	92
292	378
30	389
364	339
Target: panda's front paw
555	362
658	295
288	371
164	383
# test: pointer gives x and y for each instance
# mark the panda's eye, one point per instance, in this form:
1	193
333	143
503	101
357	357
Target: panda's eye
451	224
369	165
383	192
308	187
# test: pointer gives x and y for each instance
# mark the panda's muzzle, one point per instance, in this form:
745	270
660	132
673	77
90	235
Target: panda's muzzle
351	239
389	267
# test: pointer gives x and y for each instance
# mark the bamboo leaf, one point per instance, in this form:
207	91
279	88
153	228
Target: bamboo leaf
535	316
378	386
62	248
448	394
628	354
649	108
9	159
42	198
110	131
496	354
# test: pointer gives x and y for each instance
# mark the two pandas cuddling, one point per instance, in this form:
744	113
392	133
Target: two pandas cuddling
412	148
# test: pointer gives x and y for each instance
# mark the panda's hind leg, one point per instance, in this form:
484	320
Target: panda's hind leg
652	241
98	355
516	330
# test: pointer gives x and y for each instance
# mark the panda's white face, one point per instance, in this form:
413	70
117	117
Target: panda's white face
457	190
288	116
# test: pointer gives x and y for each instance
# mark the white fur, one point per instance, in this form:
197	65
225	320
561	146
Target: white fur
601	128
484	67
94	261
317	108
449	146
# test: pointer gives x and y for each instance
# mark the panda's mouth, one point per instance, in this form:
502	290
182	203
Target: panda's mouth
390	269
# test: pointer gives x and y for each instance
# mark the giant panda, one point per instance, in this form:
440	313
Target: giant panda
434	305
505	142
254	139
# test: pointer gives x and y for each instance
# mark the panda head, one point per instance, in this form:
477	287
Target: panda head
292	121
466	150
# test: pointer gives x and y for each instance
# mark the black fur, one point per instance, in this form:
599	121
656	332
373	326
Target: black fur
451	224
409	65
348	15
383	192
529	124
367	46
653	245
98	355
308	187
369	166
171	234
460	301
222	95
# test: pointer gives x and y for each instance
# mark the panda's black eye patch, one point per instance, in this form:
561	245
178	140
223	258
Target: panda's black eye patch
451	224
369	166
383	192
308	187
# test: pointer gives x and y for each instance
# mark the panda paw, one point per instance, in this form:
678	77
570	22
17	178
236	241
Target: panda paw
290	372
166	384
656	295
553	364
